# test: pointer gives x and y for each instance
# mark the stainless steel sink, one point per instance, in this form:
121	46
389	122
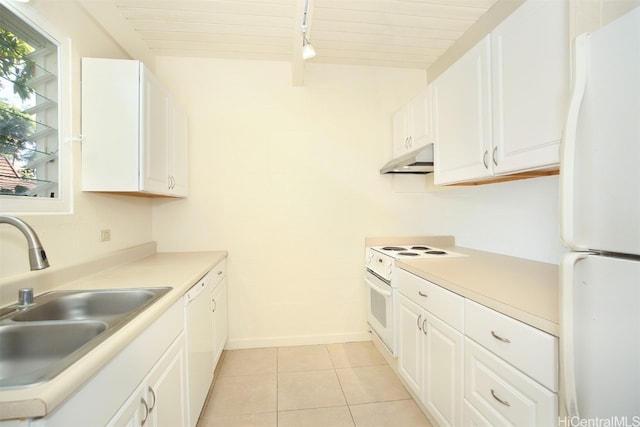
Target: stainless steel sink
41	340
83	305
36	351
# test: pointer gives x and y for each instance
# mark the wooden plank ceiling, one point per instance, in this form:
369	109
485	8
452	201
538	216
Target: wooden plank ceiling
388	33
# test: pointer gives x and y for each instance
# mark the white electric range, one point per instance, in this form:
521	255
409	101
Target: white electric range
382	292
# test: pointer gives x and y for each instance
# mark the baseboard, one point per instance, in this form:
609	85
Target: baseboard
235	344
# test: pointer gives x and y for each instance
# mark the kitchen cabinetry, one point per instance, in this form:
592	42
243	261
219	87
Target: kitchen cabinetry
462	118
470	365
511	371
152	366
500	109
135	134
412	125
160	400
219	312
430	356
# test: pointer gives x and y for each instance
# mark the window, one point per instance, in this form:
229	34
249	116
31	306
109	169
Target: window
33	96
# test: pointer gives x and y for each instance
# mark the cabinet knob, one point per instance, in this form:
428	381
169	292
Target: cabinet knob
484	159
495	156
419	323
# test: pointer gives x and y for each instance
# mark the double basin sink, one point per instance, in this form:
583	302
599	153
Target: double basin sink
40	340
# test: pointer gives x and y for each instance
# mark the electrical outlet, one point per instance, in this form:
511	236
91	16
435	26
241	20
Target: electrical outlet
105	235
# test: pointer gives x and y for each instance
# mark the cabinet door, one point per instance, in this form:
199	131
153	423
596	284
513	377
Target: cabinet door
473	418
220	322
412	125
419	121
443	368
154	138
410	351
400	132
462	118
166	388
530	67
178	156
133	412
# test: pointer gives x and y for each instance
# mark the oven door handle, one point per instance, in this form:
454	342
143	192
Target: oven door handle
377	288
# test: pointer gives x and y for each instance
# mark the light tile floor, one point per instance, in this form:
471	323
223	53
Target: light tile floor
333	385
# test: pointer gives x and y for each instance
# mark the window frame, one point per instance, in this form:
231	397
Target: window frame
64	202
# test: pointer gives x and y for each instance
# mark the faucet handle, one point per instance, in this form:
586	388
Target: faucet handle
25	296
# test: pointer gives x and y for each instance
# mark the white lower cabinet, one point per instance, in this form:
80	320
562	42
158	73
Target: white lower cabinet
220	318
472	418
430	356
152	367
503	394
511	369
485	370
160	400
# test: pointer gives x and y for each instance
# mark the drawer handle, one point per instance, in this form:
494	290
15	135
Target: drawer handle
422	294
498	337
504	402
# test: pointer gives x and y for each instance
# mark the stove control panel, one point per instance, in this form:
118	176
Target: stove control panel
379	263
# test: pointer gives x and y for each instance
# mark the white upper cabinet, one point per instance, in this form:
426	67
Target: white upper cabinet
462	117
412	125
135	133
530	91
500	109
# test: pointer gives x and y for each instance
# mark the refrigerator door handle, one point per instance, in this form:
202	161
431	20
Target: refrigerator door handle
567	160
567	367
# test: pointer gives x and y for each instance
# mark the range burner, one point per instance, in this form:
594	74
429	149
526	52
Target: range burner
394	248
415	252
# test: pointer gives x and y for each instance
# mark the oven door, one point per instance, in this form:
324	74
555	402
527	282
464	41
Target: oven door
380	310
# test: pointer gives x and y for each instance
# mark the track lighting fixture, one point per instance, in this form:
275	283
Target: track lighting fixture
308	51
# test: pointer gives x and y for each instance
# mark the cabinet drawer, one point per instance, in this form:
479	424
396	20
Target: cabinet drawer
471	417
532	351
504	395
218	272
440	302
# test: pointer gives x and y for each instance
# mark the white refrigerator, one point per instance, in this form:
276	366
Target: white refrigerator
600	224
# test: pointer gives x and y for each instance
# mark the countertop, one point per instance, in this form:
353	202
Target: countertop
177	270
523	289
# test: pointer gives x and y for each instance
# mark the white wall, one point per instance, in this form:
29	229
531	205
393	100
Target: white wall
286	179
69	239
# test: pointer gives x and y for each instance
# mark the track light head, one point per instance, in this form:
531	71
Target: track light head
308	51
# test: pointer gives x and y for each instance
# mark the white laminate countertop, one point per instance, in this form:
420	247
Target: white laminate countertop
523	289
177	270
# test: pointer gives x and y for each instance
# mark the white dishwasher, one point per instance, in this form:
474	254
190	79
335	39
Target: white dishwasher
199	330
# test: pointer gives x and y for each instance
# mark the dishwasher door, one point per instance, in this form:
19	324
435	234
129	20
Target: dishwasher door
199	333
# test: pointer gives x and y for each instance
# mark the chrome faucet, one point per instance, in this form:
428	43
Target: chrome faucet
37	255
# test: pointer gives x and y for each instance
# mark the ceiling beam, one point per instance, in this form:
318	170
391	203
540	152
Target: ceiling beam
297	63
